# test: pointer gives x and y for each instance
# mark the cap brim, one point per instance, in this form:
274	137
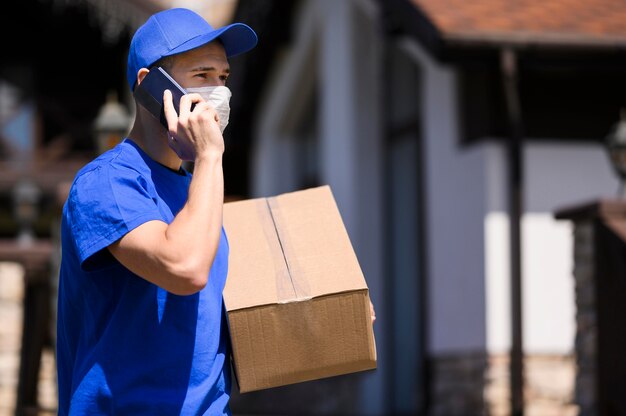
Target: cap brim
236	37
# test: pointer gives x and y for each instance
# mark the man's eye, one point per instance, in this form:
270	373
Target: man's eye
201	75
223	77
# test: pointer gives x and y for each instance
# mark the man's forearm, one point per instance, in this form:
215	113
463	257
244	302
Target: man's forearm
195	232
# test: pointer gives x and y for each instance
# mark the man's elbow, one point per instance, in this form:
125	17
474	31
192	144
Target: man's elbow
189	287
191	277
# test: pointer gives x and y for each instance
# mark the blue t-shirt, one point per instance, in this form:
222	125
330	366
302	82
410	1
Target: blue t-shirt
124	345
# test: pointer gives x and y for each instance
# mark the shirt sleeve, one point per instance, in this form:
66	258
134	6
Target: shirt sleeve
103	205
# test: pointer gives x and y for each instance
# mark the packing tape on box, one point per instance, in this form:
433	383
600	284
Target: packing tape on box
291	286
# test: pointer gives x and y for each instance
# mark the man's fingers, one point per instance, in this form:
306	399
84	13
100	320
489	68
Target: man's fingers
205	111
188	102
170	111
192	103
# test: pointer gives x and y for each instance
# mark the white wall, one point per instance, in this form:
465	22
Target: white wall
556	175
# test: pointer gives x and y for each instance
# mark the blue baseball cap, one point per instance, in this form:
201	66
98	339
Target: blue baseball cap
179	30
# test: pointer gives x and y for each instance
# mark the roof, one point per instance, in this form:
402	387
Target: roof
588	23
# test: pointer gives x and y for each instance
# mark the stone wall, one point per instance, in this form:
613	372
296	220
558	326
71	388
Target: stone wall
586	325
458	384
478	385
11	293
11	296
548	385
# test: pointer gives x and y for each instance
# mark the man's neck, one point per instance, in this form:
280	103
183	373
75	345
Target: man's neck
152	139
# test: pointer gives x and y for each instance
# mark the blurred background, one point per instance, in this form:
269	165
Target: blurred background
475	150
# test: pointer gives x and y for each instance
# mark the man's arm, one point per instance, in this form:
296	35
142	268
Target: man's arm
178	256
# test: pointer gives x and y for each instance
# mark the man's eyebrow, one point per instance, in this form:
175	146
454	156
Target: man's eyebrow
207	69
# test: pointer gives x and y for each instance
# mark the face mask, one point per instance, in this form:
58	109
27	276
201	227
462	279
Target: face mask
219	98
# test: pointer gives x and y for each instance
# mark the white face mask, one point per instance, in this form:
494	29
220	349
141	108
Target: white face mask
219	98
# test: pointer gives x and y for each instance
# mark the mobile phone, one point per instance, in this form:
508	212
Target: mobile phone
149	93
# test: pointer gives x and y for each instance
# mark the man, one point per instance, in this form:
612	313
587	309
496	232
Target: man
141	327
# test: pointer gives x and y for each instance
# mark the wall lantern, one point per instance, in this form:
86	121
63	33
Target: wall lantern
111	125
616	147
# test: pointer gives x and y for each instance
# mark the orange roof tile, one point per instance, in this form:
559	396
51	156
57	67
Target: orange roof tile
592	22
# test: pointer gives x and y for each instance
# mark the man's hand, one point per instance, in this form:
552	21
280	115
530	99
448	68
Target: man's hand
372	312
195	131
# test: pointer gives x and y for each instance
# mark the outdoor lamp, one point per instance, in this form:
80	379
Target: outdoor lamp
616	146
111	125
25	199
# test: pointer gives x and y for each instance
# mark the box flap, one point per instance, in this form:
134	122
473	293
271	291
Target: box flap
288	248
257	272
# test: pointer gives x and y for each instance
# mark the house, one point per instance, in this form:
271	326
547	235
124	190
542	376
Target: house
441	125
407	108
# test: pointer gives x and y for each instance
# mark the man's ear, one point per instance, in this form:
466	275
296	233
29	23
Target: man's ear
141	74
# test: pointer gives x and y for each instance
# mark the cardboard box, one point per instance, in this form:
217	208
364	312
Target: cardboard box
296	298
